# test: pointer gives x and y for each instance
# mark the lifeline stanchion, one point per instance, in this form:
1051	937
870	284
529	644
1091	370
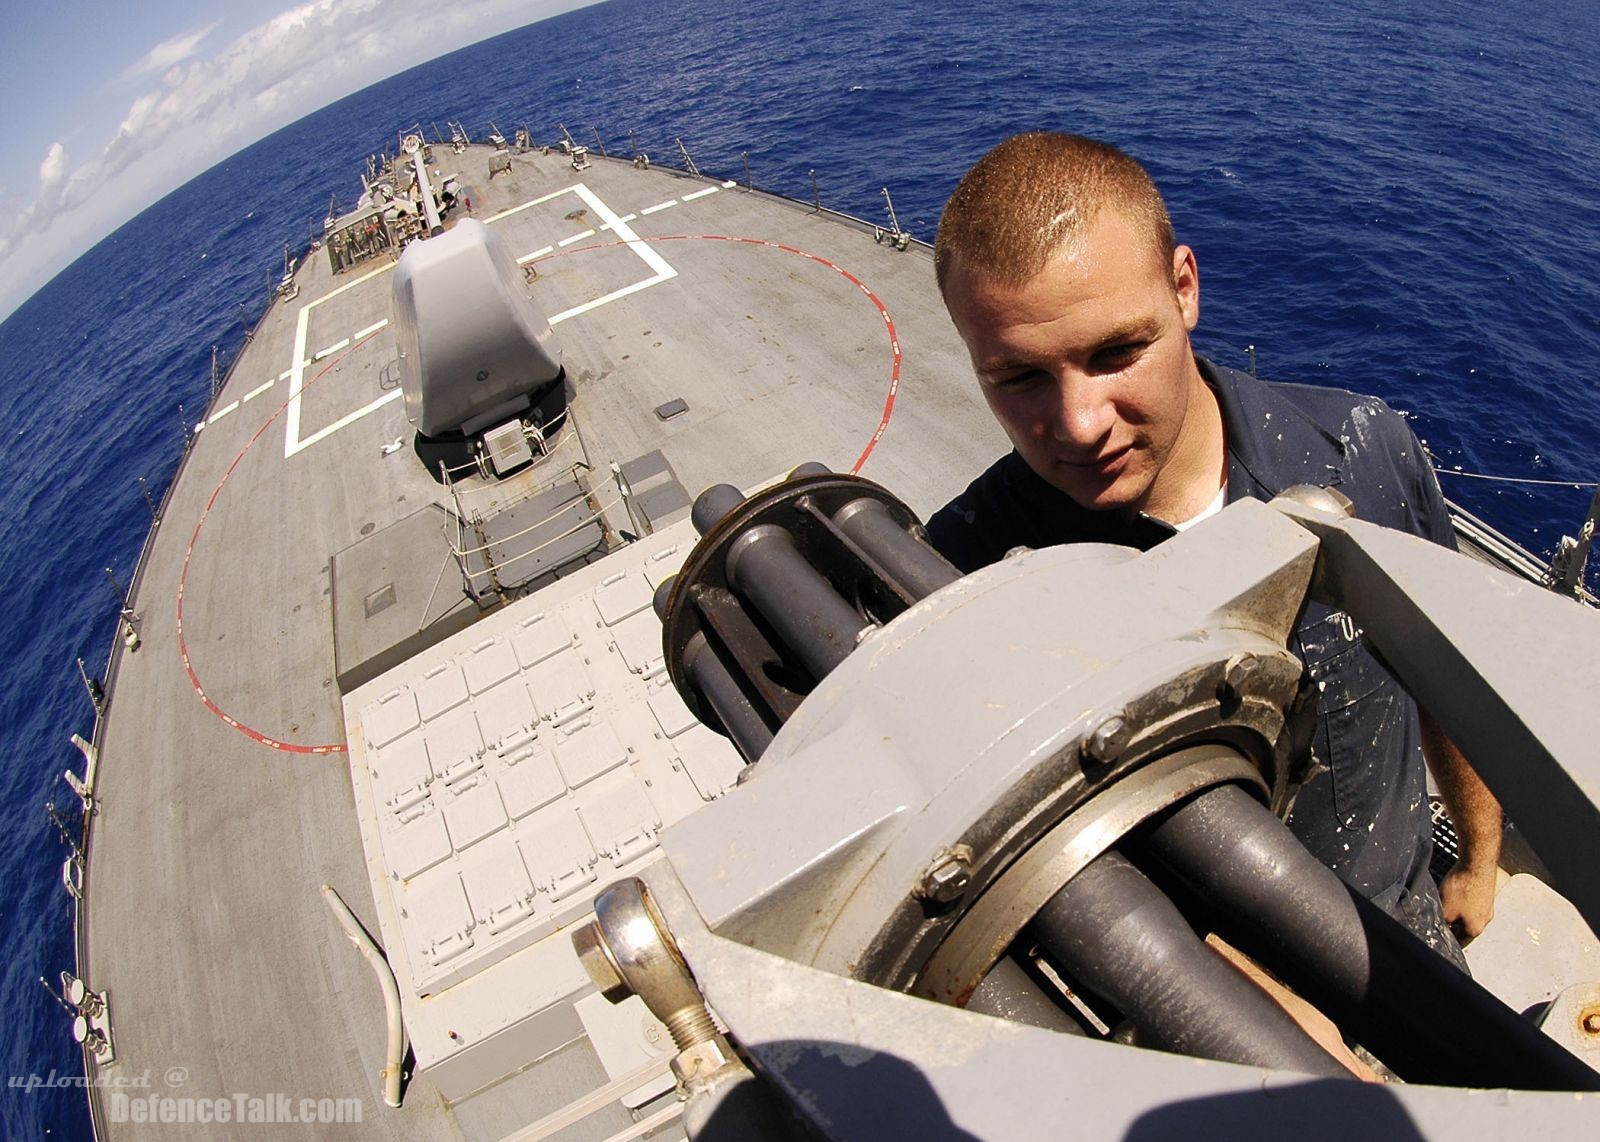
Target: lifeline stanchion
144	490
97	693
688	163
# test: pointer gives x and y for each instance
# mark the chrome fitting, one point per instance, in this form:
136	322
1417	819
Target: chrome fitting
629	950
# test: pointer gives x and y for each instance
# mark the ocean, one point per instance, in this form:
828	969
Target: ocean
1393	196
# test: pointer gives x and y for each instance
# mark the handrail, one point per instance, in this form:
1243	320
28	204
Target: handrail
1575	485
396	1047
462	515
472	576
813	206
519	534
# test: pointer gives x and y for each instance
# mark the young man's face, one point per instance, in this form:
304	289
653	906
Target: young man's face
1087	366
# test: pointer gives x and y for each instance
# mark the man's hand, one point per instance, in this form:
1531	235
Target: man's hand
1468	897
1467	891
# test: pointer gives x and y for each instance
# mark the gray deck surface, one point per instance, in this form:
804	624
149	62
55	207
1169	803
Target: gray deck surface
395	591
203	918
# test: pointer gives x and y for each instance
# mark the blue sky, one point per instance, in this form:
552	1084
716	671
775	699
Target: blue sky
111	105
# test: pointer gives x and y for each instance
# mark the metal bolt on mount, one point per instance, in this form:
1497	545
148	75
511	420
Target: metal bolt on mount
1105	743
1236	675
947	876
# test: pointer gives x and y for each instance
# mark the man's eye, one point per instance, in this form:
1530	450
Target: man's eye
1120	355
1019	380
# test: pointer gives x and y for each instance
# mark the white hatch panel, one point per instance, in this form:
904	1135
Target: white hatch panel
507	774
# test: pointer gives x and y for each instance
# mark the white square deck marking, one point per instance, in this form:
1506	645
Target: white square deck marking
292	440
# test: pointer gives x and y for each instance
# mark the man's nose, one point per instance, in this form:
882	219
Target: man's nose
1083	413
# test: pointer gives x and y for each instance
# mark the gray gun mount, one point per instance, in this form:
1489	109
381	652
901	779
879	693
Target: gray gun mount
474	347
1067	761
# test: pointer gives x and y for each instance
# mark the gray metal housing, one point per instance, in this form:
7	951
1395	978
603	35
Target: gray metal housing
807	882
473	344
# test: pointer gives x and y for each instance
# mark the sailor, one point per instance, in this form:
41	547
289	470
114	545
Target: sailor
1058	265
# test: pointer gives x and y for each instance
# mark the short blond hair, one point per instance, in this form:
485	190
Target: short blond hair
1033	194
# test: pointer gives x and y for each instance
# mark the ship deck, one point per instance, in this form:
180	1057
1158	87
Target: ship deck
223	795
710	334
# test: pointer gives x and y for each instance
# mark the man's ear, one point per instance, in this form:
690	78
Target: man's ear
1186	285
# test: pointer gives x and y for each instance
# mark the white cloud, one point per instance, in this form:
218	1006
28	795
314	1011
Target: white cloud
54	181
169	52
53	171
204	107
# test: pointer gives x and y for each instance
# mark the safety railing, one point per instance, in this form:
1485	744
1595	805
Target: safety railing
493	569
129	616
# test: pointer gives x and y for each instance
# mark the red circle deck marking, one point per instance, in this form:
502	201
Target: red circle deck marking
183	576
883	310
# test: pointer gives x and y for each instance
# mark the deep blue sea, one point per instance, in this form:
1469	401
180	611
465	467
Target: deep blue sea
1398	197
